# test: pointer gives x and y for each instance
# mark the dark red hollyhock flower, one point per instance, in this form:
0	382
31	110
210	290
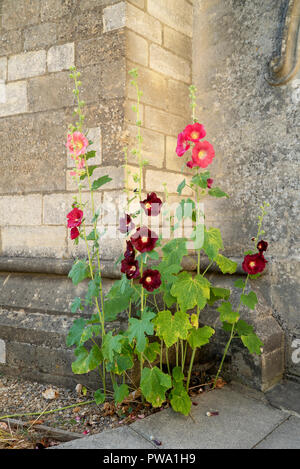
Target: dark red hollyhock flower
130	267
130	252
254	263
126	224
74	233
144	240
75	218
210	183
152	205
262	246
151	280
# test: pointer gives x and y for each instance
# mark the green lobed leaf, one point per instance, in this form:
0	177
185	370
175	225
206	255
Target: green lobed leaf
249	300
76	305
90	154
226	265
86	360
171	327
200	337
212	242
79	272
243	328
91	169
118	299
120	392
191	291
253	343
75	332
151	351
217	192
138	328
239	283
99	397
200	180
227	313
218	294
100	182
154	385
181	187
111	345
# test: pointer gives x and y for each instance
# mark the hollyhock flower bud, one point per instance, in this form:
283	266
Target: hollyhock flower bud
182	145
144	240
152	205
151	280
262	246
194	133
130	252
130	268
254	263
126	224
203	155
74	233
75	218
77	143
210	183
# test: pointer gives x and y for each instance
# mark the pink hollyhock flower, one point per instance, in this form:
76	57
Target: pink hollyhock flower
126	224
144	240
75	218
77	143
254	263
152	205
151	280
194	132
182	145
130	268
210	183
74	233
203	155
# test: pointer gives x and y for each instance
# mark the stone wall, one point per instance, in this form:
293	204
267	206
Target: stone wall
255	129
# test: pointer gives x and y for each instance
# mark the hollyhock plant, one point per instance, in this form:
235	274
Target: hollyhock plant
262	246
126	224
203	155
144	240
182	145
75	218
77	143
194	132
151	280
254	263
152	205
130	268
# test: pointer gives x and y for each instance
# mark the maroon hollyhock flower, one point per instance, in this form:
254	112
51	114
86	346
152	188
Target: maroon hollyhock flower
254	264
130	252
126	224
151	280
130	267
74	233
210	183
75	218
152	205
262	246
144	240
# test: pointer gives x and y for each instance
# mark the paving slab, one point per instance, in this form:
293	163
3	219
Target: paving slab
241	424
123	438
285	396
286	436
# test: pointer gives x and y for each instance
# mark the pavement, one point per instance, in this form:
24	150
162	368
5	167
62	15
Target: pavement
247	420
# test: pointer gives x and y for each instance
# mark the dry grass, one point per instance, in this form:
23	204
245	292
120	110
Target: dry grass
14	439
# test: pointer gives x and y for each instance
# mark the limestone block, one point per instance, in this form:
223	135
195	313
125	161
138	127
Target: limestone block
169	64
61	57
21	210
40	36
144	24
26	65
178	14
114	17
13	99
